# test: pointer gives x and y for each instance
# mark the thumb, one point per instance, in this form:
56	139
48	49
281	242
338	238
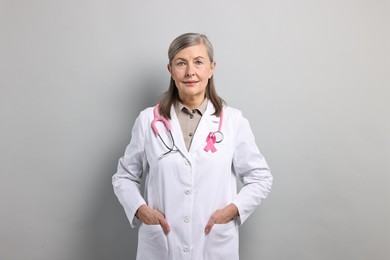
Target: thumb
164	224
209	225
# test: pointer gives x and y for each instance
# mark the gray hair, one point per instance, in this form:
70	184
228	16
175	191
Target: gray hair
172	95
190	39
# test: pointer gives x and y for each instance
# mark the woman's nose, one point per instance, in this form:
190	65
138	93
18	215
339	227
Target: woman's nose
189	71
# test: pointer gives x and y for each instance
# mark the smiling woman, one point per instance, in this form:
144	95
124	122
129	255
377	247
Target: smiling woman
191	70
191	208
201	43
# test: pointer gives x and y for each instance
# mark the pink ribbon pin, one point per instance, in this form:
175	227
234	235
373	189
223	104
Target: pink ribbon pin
211	140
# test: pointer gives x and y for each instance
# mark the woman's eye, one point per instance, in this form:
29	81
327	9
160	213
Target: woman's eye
180	63
198	62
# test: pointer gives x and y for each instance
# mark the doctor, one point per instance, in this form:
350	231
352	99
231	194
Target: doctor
191	208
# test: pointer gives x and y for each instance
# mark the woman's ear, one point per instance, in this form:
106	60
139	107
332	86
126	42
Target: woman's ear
212	68
169	68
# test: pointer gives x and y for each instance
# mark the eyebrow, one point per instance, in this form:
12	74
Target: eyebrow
199	57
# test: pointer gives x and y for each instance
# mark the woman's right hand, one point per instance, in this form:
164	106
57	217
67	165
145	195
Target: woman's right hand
151	216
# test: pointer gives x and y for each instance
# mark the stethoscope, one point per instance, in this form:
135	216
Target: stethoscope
212	137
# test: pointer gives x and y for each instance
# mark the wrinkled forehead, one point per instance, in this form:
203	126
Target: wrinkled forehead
189	40
193	51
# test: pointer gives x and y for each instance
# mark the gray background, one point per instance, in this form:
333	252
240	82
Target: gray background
311	76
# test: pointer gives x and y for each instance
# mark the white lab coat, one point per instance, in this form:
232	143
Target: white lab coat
188	186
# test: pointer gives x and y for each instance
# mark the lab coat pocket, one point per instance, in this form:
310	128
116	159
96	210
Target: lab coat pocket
152	243
222	242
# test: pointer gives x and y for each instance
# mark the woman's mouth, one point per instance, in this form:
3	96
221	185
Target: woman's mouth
190	82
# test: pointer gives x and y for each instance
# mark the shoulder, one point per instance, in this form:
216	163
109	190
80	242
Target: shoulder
235	119
146	113
231	112
144	118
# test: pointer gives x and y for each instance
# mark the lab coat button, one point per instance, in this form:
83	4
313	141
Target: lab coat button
188	192
186	249
186	219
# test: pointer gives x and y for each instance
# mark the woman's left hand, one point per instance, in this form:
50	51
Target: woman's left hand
221	216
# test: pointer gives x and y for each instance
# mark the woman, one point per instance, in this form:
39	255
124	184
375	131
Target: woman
191	208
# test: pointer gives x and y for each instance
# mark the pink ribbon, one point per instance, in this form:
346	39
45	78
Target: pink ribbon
211	140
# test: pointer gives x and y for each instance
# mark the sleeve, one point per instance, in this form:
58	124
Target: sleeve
127	180
251	169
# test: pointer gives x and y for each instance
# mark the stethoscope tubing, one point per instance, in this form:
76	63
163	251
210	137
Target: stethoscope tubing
158	118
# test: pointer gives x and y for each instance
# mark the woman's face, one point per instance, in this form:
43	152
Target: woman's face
191	70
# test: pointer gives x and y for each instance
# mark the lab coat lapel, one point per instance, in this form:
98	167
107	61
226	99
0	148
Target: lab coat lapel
208	123
178	133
